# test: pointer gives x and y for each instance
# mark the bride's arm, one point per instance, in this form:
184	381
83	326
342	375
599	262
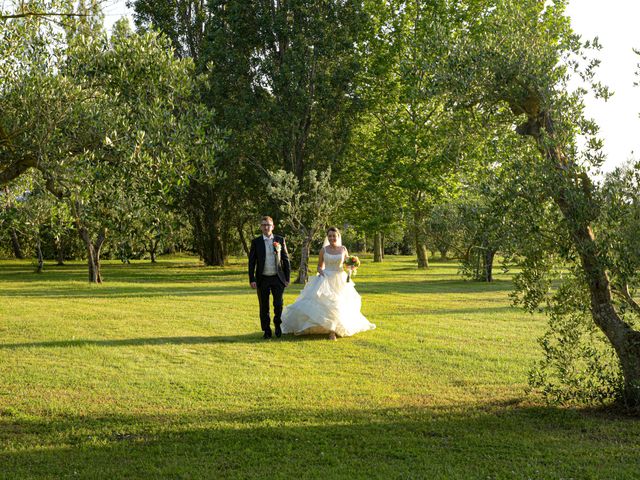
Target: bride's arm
321	262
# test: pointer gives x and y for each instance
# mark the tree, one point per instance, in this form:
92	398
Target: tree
419	142
183	22
619	227
111	138
37	103
282	87
444	227
306	208
514	56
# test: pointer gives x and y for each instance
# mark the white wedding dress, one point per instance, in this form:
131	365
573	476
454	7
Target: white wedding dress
327	304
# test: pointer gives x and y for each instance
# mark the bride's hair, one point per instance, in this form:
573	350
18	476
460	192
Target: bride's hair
337	232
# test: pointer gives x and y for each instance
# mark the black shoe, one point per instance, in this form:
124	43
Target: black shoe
267	335
278	331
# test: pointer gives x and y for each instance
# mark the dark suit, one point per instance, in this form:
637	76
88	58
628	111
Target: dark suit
274	284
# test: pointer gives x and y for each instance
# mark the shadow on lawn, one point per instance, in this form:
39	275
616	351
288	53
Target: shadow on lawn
429	285
144	341
161	272
133	342
494	441
131	290
233	284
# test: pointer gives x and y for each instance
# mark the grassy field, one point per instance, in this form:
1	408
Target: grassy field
162	373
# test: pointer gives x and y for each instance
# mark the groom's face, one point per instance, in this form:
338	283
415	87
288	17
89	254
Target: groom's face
266	227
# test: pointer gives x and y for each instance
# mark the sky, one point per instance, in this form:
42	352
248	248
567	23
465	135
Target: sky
615	24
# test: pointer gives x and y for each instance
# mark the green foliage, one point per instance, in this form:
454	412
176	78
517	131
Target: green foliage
306	208
182	21
618	229
579	364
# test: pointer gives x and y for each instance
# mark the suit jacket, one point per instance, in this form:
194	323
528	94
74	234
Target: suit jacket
257	256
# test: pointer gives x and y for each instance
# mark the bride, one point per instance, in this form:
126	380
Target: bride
328	303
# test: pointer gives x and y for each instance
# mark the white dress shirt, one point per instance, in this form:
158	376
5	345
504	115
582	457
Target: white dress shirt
270	257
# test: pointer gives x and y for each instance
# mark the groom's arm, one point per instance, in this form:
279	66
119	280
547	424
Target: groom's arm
252	263
284	257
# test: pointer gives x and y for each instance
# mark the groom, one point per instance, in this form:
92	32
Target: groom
269	272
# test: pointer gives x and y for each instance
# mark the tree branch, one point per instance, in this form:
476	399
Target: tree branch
15	169
623	292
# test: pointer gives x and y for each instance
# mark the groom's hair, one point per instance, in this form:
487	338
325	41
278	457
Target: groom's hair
266	218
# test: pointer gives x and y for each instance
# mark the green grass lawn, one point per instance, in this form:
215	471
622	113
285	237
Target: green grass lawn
161	372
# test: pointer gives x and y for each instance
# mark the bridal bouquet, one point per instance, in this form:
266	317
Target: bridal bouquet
352	263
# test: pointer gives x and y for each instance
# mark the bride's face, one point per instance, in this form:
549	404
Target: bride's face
333	238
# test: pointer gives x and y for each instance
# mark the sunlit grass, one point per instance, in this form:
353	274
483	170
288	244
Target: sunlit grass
161	372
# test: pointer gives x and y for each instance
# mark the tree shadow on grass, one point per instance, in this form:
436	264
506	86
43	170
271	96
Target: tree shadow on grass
184	286
144	341
433	286
134	342
491	441
484	311
130	291
148	273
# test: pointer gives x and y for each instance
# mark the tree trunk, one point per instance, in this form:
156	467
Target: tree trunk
213	253
421	249
303	275
205	213
59	251
153	249
382	245
421	252
39	255
377	247
443	253
93	253
243	240
624	339
15	243
489	255
570	188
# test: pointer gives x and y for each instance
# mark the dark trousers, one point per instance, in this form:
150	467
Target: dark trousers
270	285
